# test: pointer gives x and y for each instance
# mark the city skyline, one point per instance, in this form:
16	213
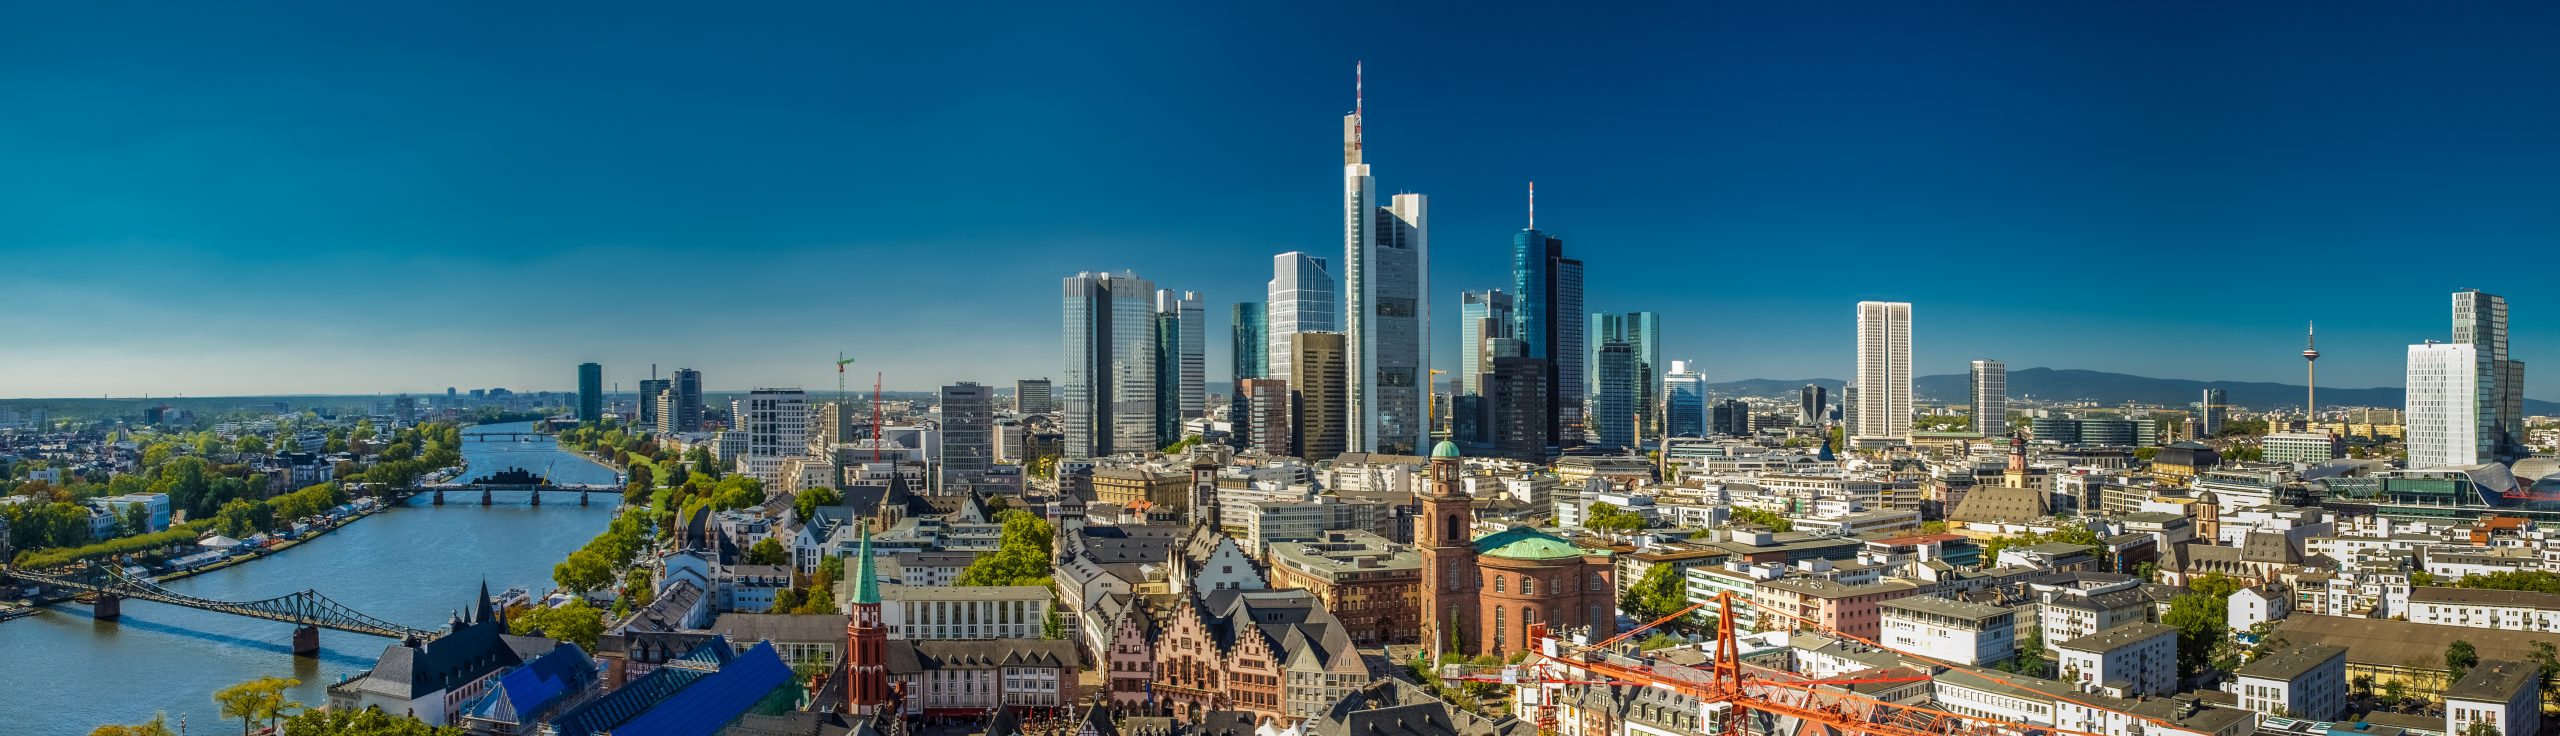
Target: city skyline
1745	166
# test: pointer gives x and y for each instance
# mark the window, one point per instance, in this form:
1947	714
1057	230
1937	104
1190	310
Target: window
1497	583
1528	585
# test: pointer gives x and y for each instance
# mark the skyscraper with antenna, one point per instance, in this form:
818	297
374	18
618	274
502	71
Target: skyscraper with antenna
1385	275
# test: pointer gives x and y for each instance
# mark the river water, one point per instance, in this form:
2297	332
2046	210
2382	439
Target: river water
63	673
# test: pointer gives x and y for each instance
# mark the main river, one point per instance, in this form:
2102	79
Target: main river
63	673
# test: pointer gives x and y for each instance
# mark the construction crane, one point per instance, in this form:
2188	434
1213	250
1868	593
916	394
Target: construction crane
841	396
1743	689
875	417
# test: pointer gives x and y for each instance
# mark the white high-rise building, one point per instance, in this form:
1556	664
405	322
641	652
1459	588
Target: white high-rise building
1385	273
1190	351
1884	374
1684	401
1108	390
2480	320
2444	401
1990	398
1301	294
775	425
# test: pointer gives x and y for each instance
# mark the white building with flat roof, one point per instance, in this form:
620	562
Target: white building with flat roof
1949	629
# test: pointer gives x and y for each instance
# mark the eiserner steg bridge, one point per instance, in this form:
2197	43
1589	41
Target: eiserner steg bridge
307	610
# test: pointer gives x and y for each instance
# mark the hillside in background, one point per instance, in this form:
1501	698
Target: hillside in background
2064	384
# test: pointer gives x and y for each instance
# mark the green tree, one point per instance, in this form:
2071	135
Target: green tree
257	700
585	571
1658	593
1022	557
737	492
808	502
768	551
2459	658
637	586
574	622
1770	519
2201	623
1607	517
2030	660
703	465
157	726
366	722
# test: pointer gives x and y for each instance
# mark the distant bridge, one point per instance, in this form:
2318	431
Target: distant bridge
493	436
308	610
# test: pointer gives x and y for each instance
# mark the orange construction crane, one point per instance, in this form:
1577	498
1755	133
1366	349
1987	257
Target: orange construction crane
1744	688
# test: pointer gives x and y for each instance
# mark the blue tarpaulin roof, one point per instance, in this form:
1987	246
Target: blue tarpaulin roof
713	702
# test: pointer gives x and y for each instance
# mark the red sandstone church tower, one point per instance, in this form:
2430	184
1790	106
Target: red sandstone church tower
866	664
1445	533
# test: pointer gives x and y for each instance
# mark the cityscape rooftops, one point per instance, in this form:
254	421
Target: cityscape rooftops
1946	607
2495	681
2119	637
2290	664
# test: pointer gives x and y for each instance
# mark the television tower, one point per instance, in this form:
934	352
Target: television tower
2310	372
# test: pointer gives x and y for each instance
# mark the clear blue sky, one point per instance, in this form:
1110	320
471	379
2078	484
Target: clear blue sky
226	198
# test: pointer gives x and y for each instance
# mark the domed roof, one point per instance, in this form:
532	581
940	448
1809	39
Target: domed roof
1445	449
1524	543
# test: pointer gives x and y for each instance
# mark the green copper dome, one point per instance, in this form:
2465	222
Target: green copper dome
1445	449
1524	543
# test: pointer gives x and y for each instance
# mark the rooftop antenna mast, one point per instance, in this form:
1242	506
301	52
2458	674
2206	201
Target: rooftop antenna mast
1533	204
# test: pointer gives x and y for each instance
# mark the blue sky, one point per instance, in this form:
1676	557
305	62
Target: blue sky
233	198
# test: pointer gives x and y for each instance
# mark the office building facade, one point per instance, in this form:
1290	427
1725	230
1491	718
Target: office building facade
968	436
1302	299
1684	401
1319	396
2480	320
1813	405
2212	412
2443	403
1264	424
1386	259
651	389
1642	332
1251	326
680	406
1884	374
1108	389
775	425
1034	396
1182	363
1990	398
1547	318
1614	413
1483	316
590	392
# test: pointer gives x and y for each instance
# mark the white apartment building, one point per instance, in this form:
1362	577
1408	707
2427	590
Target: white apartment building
974	612
1884	375
2505	695
1948	629
773	425
2307	682
2126	661
2443	407
2514	610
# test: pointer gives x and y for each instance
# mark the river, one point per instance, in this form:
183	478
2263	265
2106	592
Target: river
63	673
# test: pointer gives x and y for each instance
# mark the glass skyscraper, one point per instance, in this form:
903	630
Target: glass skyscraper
1483	316
1684	404
1546	290
1108	389
1301	300
1252	337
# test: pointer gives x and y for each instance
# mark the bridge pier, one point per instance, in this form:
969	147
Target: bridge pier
537	496
582	497
110	607
306	641
484	496
439	497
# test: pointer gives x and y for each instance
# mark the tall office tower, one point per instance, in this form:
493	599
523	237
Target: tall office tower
1517	404
1483	316
1603	329
1546	290
1252	350
2480	320
1190	344
1642	332
590	392
1034	396
1730	417
651	391
1884	374
1265	421
1301	294
1614	415
968	436
1319	395
1813	405
2212	412
776	424
1109	390
1386	267
2444	407
680	406
1684	402
1990	398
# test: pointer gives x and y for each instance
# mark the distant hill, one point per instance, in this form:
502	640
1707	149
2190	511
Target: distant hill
2065	384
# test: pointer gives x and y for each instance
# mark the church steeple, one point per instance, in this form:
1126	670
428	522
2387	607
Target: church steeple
483	613
866	577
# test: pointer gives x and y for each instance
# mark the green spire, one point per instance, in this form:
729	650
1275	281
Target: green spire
866	579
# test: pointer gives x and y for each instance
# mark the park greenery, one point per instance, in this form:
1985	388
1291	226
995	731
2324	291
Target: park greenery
238	518
819	596
2068	533
1660	592
366	722
1770	519
1022	557
593	567
2202	618
157	726
2536	581
1607	517
574	622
